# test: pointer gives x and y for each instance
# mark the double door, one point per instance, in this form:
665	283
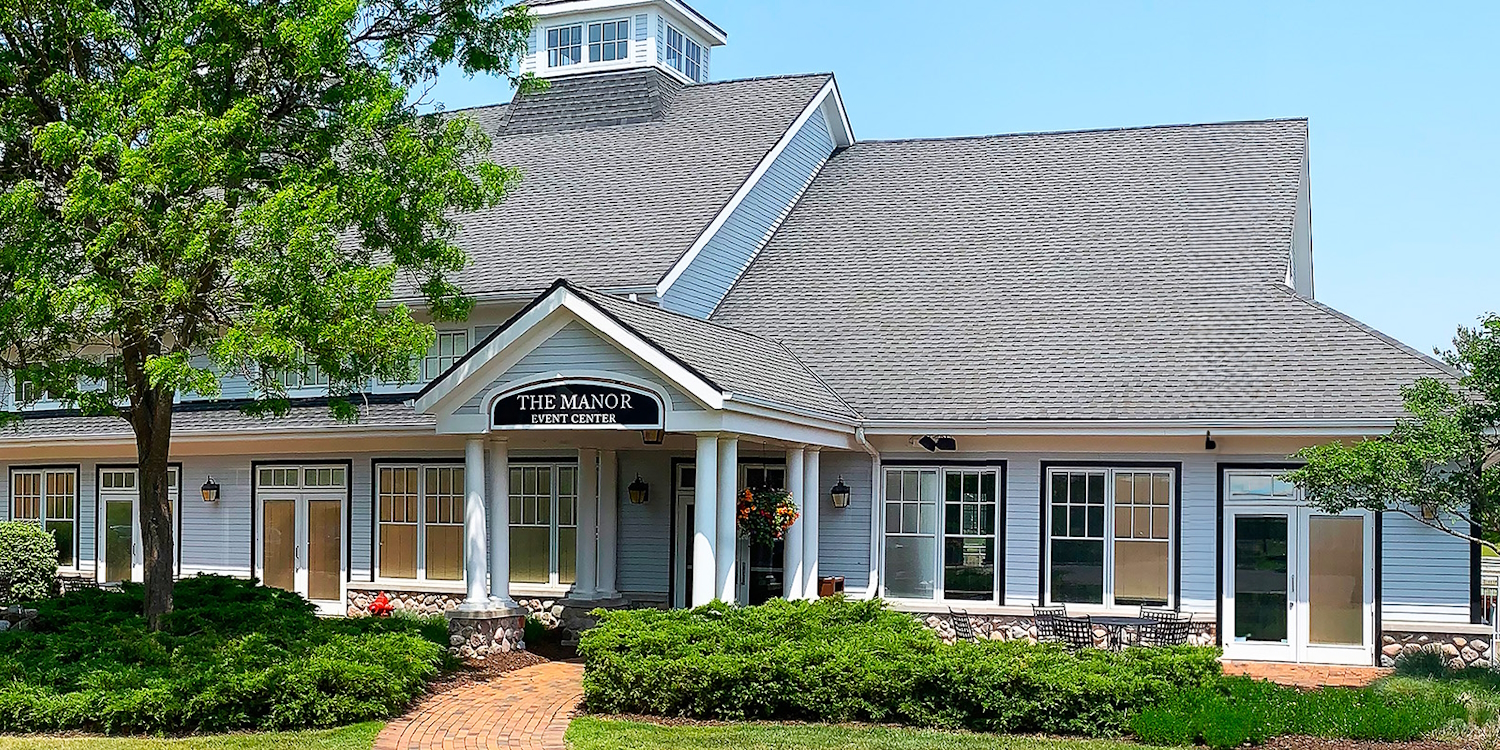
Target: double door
300	525
1299	585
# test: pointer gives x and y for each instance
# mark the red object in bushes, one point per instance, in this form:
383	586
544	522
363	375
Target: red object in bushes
382	606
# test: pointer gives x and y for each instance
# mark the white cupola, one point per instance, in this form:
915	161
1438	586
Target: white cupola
591	36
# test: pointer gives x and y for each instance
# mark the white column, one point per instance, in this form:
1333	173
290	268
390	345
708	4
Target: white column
609	522
500	525
587	520
810	526
729	481
705	523
474	529
791	564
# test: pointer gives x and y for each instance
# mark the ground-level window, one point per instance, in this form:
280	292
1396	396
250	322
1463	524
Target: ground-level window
543	523
940	533
420	522
1110	540
49	498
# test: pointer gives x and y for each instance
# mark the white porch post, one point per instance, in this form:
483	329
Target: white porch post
705	524
587	520
791	566
500	525
729	480
609	522
810	524
474	528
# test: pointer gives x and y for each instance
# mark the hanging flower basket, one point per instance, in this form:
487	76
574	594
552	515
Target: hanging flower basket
765	515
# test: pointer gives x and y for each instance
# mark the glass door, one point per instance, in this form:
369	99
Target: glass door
760	567
301	531
120	523
1259	584
1336	616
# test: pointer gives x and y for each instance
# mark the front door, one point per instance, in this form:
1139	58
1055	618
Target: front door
1298	582
300	525
758	567
120	523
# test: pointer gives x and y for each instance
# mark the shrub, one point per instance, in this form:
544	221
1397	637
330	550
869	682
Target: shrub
231	656
28	562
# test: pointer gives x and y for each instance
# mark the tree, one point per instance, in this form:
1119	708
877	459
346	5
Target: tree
200	189
1441	464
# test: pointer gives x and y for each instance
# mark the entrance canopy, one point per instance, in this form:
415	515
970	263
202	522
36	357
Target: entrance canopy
576	359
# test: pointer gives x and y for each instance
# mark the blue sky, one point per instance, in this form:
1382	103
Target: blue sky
1403	101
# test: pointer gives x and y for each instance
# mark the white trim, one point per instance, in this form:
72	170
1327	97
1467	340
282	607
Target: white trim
716	36
739	196
1143	427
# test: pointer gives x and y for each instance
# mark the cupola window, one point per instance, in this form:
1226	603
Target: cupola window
565	45
684	54
609	41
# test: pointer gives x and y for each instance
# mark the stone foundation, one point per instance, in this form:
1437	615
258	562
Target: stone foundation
553	614
415	602
482	633
1023	628
1458	651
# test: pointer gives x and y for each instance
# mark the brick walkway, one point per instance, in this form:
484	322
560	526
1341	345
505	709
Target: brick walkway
1306	675
529	708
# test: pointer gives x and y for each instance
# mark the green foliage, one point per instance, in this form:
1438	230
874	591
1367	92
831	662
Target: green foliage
231	656
1445	454
837	660
28	562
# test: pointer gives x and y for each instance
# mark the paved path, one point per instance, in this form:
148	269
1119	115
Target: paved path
529	708
1306	675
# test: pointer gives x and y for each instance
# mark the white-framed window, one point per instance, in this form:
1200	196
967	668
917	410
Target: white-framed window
420	522
1110	536
293	380
941	537
564	45
609	41
684	54
49	498
302	477
543	523
450	347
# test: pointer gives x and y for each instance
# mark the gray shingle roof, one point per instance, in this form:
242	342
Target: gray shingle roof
615	205
217	421
1127	274
734	361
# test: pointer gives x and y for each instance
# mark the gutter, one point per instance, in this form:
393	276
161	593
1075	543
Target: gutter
876	508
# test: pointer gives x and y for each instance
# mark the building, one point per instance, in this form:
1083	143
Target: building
1044	368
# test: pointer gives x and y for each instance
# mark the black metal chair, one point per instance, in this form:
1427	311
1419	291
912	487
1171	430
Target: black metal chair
1166	633
963	627
1160	614
1046	622
1076	632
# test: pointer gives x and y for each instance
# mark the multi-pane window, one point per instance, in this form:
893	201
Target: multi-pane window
940	540
1110	540
421	522
543	523
312	377
684	54
609	41
450	347
564	45
49	498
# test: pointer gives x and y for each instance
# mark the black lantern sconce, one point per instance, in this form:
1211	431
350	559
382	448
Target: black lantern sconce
210	491
1429	511
639	491
840	494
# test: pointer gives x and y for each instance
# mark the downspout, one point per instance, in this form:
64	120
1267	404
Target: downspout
876	507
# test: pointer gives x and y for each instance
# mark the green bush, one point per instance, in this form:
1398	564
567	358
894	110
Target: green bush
836	660
28	562
231	656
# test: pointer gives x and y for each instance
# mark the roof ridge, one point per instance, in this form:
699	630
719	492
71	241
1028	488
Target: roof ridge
753	79
1384	338
1081	131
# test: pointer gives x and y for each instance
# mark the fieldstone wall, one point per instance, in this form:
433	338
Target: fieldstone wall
1023	627
1458	651
477	635
415	602
554	614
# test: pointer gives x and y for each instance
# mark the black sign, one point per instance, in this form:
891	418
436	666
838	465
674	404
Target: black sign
578	405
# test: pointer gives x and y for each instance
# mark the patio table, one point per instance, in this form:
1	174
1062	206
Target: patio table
1116	626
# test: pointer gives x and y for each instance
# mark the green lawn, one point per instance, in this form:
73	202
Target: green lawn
589	733
356	737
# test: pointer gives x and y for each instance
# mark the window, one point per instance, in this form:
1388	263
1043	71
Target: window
543	523
609	41
968	500
421	522
297	477
450	347
565	45
684	54
49	498
1110	536
312	377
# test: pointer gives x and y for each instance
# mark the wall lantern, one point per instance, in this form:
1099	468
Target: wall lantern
653	437
639	491
1429	511
840	494
210	491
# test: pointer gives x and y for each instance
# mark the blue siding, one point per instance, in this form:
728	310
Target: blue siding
644	546
844	533
1425	574
640	38
710	275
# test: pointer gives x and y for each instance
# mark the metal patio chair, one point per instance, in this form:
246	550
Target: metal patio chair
1166	633
963	627
1046	619
1076	632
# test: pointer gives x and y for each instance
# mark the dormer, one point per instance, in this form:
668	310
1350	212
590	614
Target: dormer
591	36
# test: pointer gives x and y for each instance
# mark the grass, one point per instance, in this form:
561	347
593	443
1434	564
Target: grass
354	737
589	733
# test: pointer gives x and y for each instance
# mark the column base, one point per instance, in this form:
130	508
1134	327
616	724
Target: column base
485	631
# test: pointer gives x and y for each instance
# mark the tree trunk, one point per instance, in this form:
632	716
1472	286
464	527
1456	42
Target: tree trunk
152	421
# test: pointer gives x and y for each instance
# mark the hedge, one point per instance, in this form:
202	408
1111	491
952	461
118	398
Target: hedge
28	562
